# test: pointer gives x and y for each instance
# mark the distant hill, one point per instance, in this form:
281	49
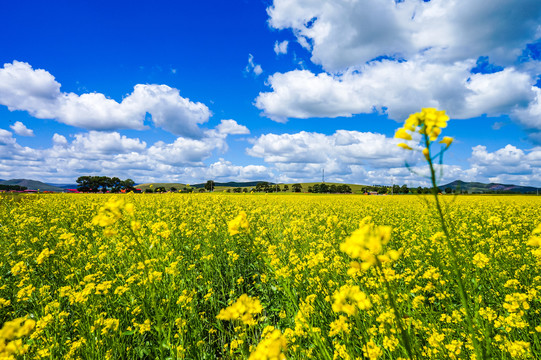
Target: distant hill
32	185
476	187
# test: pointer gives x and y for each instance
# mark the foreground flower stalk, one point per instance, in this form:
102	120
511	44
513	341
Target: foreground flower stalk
429	123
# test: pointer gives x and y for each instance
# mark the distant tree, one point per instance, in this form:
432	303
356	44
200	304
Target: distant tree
115	184
296	188
160	189
148	191
201	190
262	186
396	189
344	189
128	185
419	190
173	189
286	188
237	190
244	190
12	187
83	183
404	189
448	190
209	186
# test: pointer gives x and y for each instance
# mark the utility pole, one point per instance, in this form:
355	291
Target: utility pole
323	176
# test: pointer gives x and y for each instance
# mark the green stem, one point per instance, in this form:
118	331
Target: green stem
403	333
461	288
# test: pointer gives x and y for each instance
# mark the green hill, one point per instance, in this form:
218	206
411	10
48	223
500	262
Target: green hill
492	188
32	185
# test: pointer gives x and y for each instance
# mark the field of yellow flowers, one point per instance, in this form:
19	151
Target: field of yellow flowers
212	276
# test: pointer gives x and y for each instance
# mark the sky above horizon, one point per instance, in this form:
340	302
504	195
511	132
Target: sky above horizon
239	90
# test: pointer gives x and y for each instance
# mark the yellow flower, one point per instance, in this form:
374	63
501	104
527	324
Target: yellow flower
402	134
426	153
243	309
480	260
372	351
535	240
428	122
271	347
366	243
238	224
518	349
44	255
447	140
350	298
404	146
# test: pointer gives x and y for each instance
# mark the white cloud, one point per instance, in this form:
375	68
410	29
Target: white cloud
281	47
253	67
231	127
38	93
105	143
399	87
223	169
59	139
20	129
304	155
507	165
530	116
342	33
6	137
398	56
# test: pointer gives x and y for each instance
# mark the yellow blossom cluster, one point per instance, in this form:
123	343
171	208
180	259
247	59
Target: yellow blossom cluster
428	123
367	244
238	224
243	309
349	299
271	347
11	334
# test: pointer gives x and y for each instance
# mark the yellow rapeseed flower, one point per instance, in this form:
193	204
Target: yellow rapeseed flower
238	224
271	347
243	309
349	299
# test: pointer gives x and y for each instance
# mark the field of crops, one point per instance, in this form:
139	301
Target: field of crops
207	276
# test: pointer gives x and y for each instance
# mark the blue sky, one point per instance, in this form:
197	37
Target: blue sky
267	90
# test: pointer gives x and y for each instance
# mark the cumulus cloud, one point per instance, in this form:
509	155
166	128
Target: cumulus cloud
253	67
231	127
343	34
281	47
305	155
530	116
395	57
6	137
397	88
37	92
507	160
20	129
59	139
223	169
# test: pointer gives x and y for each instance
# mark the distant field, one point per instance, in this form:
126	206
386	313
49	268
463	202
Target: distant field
354	187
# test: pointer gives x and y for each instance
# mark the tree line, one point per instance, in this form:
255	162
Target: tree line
12	187
104	184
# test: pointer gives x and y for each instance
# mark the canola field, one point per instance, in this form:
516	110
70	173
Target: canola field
212	276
